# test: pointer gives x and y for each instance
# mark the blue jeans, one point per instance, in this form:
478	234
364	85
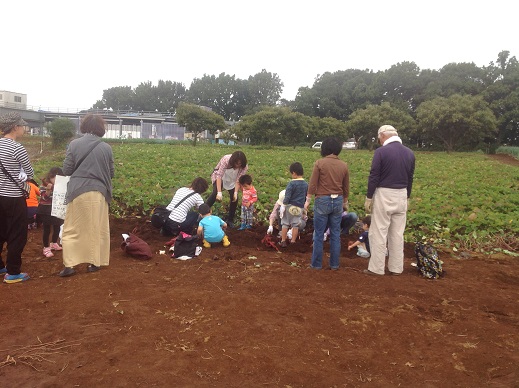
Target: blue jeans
348	221
327	212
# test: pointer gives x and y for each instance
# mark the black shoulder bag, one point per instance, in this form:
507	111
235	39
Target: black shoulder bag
25	188
161	214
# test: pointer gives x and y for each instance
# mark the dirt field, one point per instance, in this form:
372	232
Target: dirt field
247	316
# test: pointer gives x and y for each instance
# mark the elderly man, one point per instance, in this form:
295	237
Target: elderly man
389	187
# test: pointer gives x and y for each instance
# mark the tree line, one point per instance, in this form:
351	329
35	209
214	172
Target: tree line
458	107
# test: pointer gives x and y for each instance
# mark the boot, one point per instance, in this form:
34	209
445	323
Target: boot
226	241
243	226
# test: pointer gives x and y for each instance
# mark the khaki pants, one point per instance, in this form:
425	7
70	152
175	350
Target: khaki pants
388	220
86	231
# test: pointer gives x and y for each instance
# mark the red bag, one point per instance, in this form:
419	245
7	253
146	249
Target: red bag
137	247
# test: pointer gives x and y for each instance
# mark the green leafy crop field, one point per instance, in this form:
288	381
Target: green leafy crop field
458	199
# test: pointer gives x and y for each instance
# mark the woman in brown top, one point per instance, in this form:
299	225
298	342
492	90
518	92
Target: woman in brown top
330	183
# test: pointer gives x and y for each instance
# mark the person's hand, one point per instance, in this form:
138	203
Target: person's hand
282	211
367	205
246	204
349	247
235	196
270	229
307	203
408	202
345	205
219	196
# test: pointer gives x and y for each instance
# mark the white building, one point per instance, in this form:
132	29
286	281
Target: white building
13	100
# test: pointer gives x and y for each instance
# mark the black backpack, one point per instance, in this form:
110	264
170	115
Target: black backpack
160	216
428	262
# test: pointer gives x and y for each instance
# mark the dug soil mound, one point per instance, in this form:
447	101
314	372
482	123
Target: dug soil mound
249	316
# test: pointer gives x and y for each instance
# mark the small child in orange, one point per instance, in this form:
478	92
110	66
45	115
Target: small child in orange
32	204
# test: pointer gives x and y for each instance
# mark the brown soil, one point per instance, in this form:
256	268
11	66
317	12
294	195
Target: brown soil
247	316
506	159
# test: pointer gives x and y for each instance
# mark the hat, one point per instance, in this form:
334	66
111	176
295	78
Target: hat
10	120
386	128
281	198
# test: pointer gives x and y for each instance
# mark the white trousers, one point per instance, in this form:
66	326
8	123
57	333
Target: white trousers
388	218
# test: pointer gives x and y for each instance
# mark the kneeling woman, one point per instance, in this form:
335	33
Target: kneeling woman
182	218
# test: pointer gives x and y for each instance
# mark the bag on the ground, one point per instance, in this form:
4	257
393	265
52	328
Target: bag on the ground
186	246
136	247
428	262
159	216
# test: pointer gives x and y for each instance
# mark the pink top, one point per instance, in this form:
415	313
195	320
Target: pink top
249	196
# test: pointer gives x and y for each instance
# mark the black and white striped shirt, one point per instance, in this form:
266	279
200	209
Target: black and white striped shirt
14	158
179	213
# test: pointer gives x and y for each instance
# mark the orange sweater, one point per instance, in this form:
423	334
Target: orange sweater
32	201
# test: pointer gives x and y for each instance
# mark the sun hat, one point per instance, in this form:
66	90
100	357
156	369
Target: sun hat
386	128
9	120
281	198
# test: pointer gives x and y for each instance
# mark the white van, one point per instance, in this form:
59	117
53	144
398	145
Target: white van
317	144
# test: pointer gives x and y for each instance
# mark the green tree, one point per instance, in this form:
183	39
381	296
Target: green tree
503	97
61	131
338	94
364	123
326	127
217	93
457	122
117	98
146	97
197	119
169	95
274	126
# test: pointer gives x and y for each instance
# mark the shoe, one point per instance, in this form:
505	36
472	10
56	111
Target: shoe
21	277
47	252
3	270
93	268
67	271
207	244
283	244
55	247
248	226
395	273
368	272
243	226
334	268
225	241
312	267
230	224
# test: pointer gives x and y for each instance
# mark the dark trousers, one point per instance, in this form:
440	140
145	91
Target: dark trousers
172	228
46	234
232	206
13	231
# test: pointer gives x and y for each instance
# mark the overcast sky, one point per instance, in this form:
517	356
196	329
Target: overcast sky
65	53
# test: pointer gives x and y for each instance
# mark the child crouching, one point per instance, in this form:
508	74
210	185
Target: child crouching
362	243
211	228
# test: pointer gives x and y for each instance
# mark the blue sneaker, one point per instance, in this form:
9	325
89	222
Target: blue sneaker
3	270
21	277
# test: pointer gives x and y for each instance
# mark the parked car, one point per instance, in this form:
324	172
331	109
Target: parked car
317	144
350	144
